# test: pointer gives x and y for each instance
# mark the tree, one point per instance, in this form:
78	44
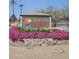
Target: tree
21	6
13	3
66	13
57	14
13	17
50	10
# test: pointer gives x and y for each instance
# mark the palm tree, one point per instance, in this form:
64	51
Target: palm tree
13	17
13	3
21	6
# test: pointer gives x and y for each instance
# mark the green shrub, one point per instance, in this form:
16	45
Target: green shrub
24	29
35	29
46	30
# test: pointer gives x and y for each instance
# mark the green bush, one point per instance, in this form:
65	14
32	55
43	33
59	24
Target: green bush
24	29
35	29
45	30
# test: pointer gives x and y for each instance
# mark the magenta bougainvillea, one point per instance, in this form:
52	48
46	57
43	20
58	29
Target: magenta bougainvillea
15	34
41	35
58	34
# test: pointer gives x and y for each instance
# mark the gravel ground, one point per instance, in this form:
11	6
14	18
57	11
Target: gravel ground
39	52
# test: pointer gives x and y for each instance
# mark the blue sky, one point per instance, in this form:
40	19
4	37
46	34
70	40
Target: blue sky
34	5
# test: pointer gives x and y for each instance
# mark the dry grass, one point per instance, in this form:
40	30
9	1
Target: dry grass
40	52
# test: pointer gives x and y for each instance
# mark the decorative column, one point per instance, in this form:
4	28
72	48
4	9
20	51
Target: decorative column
20	21
50	22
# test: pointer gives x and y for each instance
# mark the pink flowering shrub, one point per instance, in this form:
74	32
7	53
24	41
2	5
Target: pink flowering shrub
58	34
15	34
31	35
41	35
